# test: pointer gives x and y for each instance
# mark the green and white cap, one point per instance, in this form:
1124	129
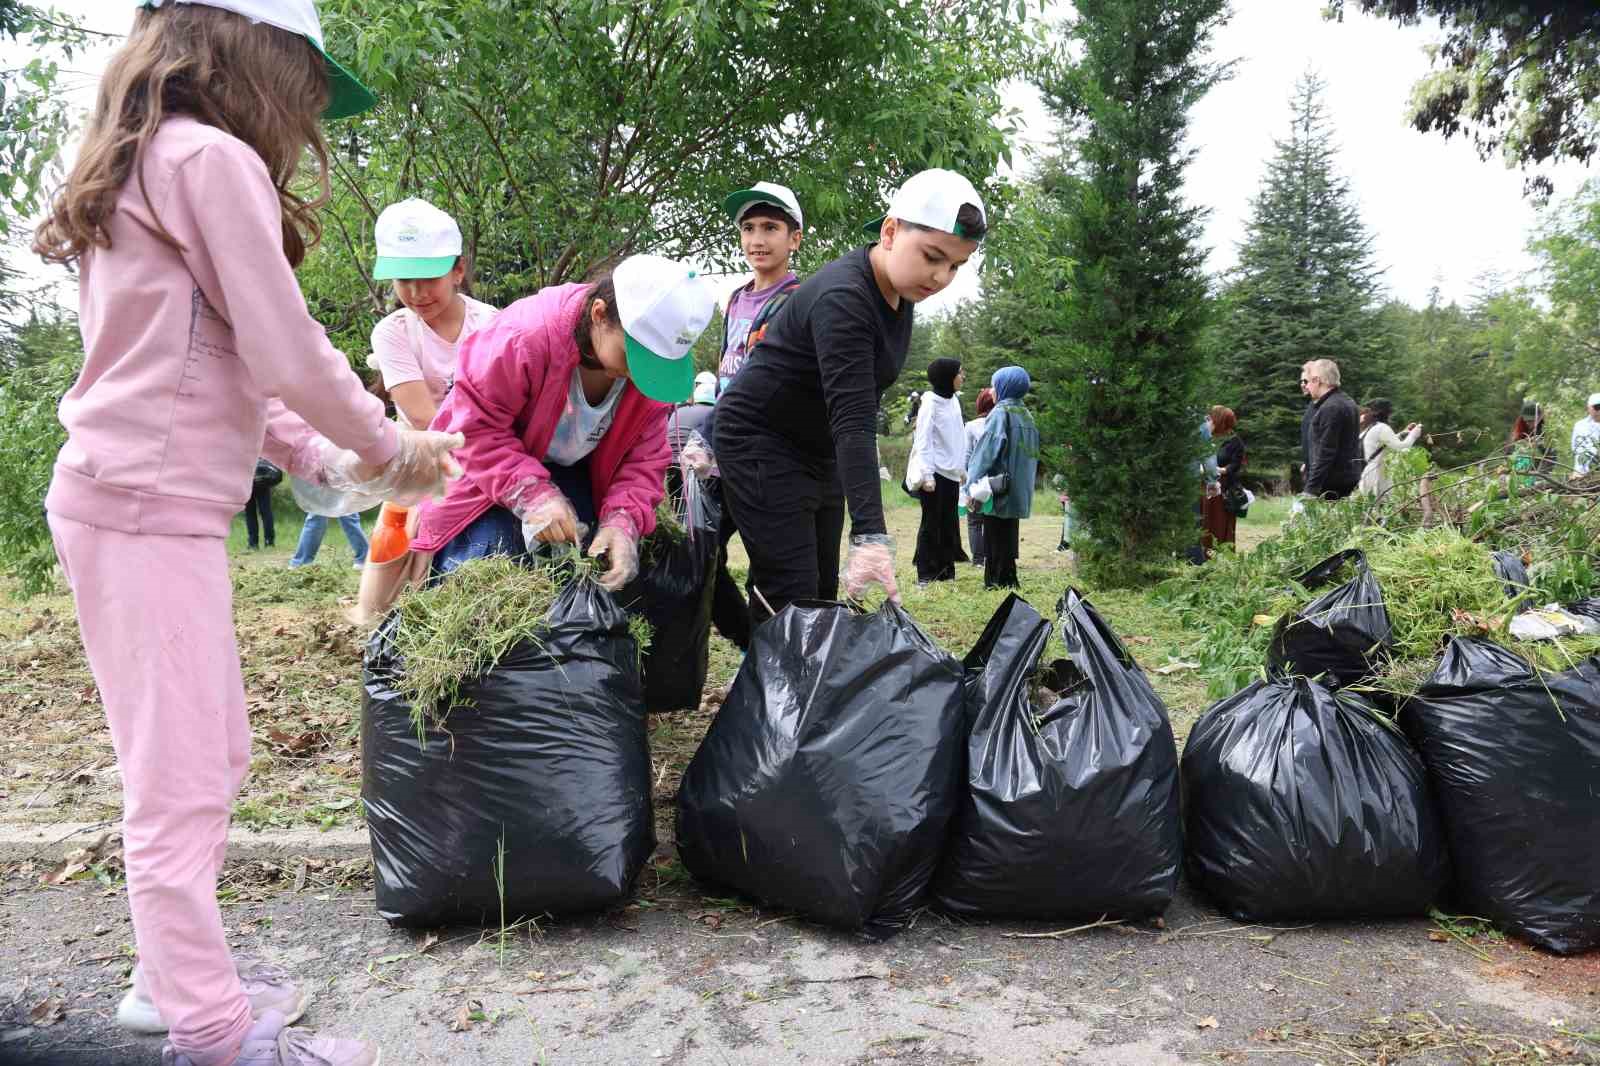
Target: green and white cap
664	306
932	198
415	240
739	203
347	95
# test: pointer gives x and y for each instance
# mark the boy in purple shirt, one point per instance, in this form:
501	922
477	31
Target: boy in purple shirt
770	226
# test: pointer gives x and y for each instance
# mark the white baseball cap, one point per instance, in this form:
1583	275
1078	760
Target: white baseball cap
1594	399
347	96
415	240
739	203
932	198
705	387
664	306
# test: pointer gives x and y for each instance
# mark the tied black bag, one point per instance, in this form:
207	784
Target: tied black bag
673	592
550	759
1341	636
827	780
1514	757
1303	803
1070	810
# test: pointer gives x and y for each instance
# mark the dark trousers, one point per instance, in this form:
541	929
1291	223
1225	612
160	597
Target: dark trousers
939	535
1002	543
730	611
790	516
975	536
258	515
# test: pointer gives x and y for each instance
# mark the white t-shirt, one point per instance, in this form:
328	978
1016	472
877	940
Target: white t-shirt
1585	444
582	424
406	349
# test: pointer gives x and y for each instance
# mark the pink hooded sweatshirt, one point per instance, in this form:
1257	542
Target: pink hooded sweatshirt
196	355
511	385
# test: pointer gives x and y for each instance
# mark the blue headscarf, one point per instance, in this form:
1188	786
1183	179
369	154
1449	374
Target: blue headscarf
1011	383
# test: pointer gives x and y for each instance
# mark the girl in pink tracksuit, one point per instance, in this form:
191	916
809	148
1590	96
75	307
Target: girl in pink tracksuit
200	356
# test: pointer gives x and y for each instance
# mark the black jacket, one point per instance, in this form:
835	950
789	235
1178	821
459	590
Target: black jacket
1333	462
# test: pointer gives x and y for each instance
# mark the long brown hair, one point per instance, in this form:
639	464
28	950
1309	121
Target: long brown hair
266	86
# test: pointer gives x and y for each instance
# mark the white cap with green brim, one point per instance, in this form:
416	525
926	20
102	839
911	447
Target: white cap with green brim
347	96
664	307
932	198
415	240
739	203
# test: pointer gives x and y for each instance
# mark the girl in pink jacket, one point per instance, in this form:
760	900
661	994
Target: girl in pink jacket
200	355
563	401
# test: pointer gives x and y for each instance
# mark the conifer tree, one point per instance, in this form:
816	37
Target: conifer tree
1306	287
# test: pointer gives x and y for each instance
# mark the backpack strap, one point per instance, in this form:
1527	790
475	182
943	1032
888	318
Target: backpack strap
758	328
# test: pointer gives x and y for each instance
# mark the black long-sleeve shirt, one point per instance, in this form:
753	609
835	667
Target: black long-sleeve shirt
814	382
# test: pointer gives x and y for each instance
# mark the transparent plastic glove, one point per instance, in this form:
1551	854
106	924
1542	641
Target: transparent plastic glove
342	484
697	457
870	562
622	549
547	517
980	491
419	469
927	484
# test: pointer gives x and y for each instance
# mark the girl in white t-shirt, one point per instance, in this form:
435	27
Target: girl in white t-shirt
415	348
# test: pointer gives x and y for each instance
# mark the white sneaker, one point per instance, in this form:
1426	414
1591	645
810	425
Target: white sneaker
267	987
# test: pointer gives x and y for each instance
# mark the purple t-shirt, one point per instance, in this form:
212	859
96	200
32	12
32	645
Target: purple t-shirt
743	309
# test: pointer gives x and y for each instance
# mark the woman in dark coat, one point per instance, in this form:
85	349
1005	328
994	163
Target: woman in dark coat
1219	525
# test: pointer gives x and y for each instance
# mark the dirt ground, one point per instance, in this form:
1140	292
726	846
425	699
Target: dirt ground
683	977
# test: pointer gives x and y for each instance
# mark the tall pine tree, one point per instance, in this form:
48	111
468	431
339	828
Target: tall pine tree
1306	287
1108	278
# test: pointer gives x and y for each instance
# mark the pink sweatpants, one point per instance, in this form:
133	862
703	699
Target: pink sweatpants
156	613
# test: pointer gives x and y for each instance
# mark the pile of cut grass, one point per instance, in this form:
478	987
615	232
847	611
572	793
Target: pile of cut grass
453	632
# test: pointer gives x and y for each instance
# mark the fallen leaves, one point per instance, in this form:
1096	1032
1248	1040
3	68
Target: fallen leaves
47	1013
1208	1022
106	850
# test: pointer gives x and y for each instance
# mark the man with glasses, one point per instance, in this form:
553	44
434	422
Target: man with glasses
1332	434
1586	438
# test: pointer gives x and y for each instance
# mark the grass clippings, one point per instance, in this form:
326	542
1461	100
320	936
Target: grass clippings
1408	1037
453	632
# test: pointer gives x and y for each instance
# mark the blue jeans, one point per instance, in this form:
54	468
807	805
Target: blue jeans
499	532
311	538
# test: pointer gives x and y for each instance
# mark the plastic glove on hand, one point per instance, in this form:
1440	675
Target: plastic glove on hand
697	457
622	550
549	521
927	484
870	562
980	491
419	469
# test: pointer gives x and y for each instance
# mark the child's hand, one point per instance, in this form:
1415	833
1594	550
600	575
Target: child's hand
623	552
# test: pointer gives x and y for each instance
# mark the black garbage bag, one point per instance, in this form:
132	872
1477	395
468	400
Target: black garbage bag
673	593
827	780
1588	607
1341	636
1514	757
547	754
1071	807
1304	803
1509	567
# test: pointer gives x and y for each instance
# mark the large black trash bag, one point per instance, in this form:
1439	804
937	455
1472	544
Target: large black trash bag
1073	812
550	756
1341	636
1514	757
827	780
1303	803
673	593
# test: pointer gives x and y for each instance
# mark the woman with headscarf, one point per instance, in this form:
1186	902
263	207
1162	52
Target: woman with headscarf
1378	442
1000	475
935	472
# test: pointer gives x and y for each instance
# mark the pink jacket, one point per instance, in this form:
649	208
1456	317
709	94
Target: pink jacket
511	384
196	356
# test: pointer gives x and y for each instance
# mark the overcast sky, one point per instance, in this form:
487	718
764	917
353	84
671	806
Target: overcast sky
1440	215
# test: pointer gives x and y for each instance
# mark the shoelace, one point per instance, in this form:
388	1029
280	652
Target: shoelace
256	971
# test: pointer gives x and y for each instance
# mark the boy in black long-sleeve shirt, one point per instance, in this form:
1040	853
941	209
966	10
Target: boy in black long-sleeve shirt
802	414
